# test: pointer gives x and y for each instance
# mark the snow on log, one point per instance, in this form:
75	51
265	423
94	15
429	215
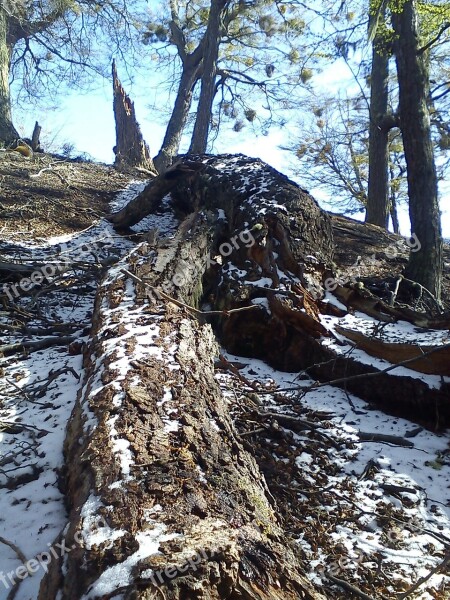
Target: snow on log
163	497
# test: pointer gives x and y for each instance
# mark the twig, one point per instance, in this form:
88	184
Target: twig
21	556
395	292
422	580
424	289
182	304
351	588
53	171
318	384
37	344
17	550
381	437
288	419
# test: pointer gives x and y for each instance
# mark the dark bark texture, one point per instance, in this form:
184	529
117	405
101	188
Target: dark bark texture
151	447
199	140
215	501
8	132
377	211
178	119
131	149
425	266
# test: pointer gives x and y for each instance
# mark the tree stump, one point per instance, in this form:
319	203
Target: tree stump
131	149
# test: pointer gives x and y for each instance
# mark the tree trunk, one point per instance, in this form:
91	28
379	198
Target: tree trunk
180	113
165	499
131	149
151	451
8	132
199	140
377	211
424	266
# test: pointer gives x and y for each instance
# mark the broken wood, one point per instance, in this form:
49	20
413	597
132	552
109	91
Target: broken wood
151	197
131	150
238	544
35	138
434	360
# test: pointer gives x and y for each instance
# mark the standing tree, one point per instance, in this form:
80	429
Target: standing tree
424	267
248	53
377	211
213	36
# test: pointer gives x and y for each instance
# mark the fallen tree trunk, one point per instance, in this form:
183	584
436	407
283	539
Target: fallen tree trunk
163	497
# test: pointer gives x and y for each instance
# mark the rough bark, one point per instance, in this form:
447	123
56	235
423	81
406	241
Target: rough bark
425	266
131	149
215	502
377	211
35	138
8	133
150	198
293	246
199	140
177	122
151	449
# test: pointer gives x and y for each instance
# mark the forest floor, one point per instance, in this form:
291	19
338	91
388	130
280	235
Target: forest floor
372	514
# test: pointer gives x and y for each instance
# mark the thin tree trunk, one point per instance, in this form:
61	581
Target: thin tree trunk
8	132
377	194
393	210
178	119
424	266
199	140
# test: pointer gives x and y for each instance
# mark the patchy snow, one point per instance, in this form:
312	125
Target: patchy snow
119	575
39	391
397	499
400	332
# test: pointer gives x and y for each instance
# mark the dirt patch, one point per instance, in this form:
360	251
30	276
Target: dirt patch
49	195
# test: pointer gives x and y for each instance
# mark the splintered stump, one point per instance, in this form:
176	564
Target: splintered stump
130	149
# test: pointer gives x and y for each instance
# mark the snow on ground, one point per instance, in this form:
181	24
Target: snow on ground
374	479
38	393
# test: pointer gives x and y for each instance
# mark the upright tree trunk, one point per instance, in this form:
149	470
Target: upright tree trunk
424	266
178	119
204	110
8	132
377	211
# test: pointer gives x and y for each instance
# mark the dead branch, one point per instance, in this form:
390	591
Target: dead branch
381	437
422	580
9	349
195	311
351	588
